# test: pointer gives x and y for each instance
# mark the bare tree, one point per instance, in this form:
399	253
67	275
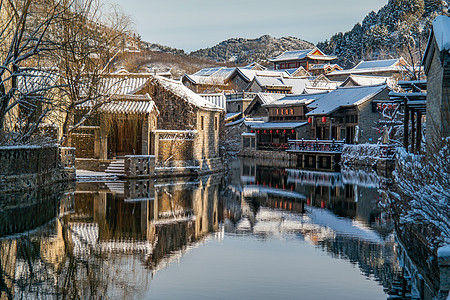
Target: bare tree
91	37
53	54
25	90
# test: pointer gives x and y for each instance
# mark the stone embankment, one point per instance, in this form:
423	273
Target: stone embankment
30	167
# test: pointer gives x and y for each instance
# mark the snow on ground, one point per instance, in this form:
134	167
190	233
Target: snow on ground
85	175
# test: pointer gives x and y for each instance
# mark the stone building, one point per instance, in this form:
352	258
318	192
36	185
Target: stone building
188	127
347	113
152	115
121	126
436	62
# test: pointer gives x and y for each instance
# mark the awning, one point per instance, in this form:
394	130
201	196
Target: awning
275	125
123	107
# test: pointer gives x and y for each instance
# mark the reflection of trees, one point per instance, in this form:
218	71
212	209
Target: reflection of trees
105	247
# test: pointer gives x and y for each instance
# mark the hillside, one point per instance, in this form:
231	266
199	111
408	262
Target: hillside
400	28
245	51
158	59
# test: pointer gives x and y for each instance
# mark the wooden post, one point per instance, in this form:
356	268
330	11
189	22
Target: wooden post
405	127
413	129
419	131
103	138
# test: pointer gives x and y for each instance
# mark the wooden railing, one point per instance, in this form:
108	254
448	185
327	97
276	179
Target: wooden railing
273	146
330	146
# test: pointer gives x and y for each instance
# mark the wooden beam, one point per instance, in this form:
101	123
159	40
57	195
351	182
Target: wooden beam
419	131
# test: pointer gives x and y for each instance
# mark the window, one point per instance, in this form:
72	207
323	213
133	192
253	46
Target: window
215	123
202	123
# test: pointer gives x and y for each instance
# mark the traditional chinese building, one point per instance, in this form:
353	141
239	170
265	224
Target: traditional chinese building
395	68
347	114
301	58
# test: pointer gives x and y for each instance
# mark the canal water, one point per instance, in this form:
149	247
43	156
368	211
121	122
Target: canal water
256	232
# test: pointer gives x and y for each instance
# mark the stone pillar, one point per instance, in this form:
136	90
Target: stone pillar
156	143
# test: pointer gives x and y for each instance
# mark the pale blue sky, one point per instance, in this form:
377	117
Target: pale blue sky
195	24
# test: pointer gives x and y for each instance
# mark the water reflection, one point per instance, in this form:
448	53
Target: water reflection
111	240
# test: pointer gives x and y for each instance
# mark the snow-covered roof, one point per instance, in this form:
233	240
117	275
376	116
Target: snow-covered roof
177	88
441	30
290	100
32	80
274	125
232	115
123	84
374	64
298	84
343	97
254	66
266	98
324	66
294	71
301	54
123	104
295	85
441	33
210	76
207	71
362	80
386	65
128	107
248	75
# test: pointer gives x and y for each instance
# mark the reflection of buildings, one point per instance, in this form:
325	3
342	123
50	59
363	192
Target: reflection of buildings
108	237
339	214
347	194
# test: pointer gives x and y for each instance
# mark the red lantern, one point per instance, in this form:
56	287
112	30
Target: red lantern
278	131
324	119
284	131
251	131
309	120
293	131
259	131
265	131
271	131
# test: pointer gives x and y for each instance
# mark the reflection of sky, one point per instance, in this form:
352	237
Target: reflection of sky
195	24
244	267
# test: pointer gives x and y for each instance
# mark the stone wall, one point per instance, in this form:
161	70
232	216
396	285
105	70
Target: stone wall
270	155
175	113
438	90
206	144
368	119
26	167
